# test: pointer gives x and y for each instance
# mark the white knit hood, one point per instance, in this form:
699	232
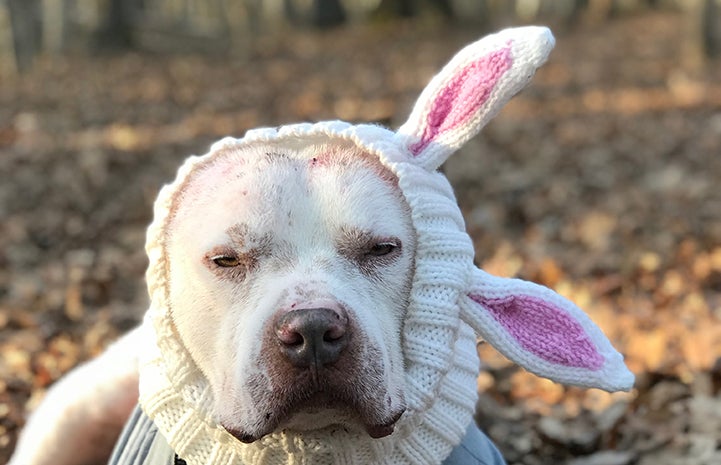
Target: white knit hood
451	300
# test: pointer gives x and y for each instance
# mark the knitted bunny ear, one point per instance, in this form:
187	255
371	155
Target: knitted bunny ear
471	89
543	332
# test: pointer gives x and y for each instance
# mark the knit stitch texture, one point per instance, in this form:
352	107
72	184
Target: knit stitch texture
451	300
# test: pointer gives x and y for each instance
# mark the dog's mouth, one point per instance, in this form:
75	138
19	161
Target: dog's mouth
345	397
320	411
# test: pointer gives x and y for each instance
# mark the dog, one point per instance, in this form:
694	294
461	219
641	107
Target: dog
314	299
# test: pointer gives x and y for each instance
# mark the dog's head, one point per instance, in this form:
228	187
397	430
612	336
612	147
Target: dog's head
319	278
290	274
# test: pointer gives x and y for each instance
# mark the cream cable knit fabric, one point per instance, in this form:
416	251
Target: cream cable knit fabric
451	300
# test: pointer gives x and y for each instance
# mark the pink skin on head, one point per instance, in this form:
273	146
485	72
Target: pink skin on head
323	159
469	89
544	330
221	170
331	158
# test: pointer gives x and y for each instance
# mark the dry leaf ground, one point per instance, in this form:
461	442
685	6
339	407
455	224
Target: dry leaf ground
601	180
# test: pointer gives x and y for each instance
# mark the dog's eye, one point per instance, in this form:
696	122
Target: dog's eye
381	248
226	261
371	252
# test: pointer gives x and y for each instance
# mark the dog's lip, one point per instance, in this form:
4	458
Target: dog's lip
383	430
242	436
375	431
380	431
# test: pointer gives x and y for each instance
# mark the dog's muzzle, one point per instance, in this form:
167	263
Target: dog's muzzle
316	358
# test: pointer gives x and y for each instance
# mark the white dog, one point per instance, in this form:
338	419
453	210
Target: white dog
314	299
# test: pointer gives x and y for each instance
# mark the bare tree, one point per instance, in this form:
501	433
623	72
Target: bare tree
116	31
328	13
702	37
26	22
711	26
409	8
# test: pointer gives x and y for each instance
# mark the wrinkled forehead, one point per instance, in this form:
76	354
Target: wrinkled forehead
254	180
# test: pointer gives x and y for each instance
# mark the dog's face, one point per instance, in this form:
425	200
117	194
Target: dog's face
290	273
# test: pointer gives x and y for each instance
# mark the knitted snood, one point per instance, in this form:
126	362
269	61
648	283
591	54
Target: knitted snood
451	300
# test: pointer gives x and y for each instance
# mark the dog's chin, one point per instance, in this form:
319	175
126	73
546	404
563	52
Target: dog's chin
336	420
319	413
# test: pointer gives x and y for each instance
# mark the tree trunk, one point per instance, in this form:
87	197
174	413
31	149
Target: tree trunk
328	13
402	8
26	22
116	31
712	28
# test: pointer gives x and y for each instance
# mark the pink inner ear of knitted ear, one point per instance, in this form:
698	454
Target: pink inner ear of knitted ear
464	94
544	330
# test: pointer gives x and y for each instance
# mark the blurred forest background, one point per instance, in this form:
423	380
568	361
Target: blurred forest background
600	180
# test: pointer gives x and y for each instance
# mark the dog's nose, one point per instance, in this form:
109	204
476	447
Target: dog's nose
312	336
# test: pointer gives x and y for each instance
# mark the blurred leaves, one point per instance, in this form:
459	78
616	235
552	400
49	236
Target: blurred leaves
599	181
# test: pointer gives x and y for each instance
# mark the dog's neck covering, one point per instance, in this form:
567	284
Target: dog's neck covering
451	302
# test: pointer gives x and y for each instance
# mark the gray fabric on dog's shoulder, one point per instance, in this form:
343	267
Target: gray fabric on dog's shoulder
140	444
475	449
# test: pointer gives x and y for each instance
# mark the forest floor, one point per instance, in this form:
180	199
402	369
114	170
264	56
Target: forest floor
600	180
